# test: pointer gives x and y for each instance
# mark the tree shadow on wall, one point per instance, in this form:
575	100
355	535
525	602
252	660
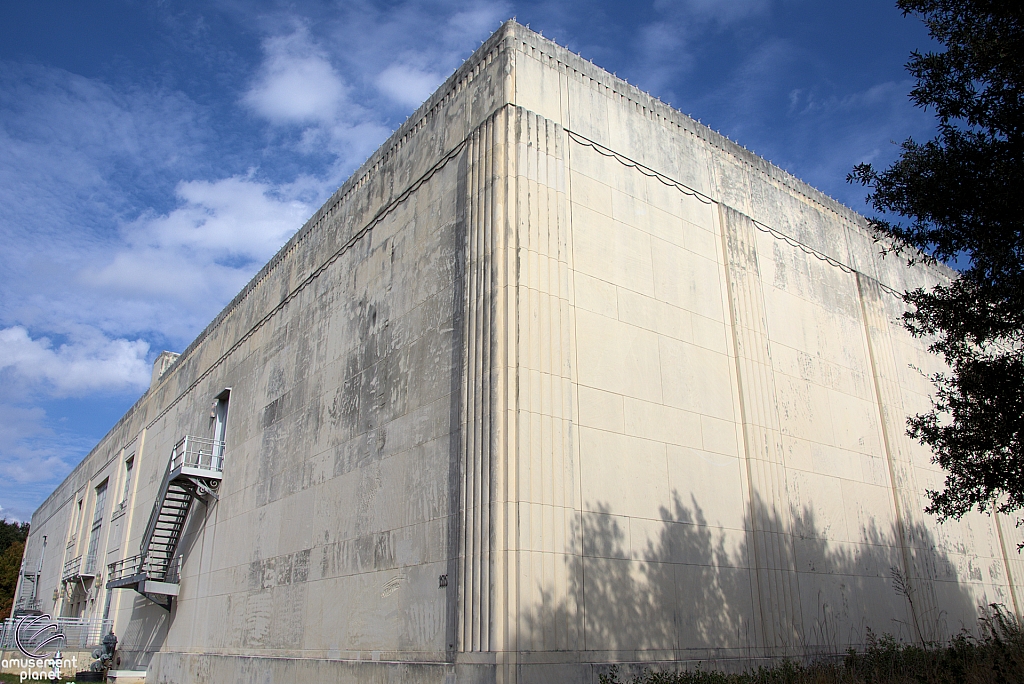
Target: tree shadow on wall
144	635
146	631
682	589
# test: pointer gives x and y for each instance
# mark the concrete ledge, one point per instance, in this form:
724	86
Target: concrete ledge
126	676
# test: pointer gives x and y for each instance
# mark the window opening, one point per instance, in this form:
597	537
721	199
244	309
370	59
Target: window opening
76	521
220	427
128	465
97	526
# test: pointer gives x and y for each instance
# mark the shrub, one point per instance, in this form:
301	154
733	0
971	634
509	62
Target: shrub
996	656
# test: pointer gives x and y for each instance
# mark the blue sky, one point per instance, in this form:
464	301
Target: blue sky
153	155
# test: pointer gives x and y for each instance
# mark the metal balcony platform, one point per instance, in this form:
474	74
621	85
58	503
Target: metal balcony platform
73	570
141	574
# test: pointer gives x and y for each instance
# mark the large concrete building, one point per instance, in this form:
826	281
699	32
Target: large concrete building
559	378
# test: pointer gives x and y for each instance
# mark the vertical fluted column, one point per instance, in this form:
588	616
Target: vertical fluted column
773	557
505	477
483	595
475	599
544	408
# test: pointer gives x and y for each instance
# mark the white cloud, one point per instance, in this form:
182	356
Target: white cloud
90	364
232	216
299	87
297	83
23	459
82	252
663	53
408	85
203	252
479	19
33	458
404	52
69	144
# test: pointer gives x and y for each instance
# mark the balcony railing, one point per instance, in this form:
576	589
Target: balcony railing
130	567
79	633
198	452
73	569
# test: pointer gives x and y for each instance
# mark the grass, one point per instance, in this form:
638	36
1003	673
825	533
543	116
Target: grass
995	657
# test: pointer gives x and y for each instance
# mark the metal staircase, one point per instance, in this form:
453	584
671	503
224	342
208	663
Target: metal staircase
28	599
193	472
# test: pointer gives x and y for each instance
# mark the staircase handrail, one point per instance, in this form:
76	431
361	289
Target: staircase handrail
154	515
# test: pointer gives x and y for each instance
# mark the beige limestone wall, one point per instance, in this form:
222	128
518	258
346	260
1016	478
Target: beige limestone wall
636	393
741	382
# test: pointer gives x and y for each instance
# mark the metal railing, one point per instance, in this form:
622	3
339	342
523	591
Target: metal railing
123	568
133	565
27	603
173	569
71	569
198	452
79	633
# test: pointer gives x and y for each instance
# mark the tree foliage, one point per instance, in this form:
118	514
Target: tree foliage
11	532
10	564
959	199
12	545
